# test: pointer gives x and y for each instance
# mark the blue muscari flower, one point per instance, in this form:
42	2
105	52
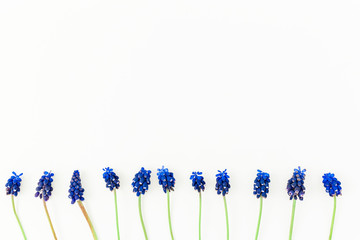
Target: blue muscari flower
111	179
197	181
222	183
76	192
295	185
331	184
13	184
166	179
261	184
141	181
44	187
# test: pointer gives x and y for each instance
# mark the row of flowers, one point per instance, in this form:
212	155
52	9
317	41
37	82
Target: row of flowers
141	182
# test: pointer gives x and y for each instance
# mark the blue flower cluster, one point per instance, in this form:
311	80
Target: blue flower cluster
76	192
198	181
111	179
166	179
13	184
141	181
44	187
222	183
261	184
295	185
331	184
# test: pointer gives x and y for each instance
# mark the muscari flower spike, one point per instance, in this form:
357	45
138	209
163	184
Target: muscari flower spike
13	184
111	179
261	189
141	181
140	185
261	184
113	183
333	188
295	186
13	188
166	179
43	190
222	182
76	192
331	184
197	181
44	187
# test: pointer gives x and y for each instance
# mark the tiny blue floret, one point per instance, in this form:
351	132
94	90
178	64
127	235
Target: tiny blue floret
197	181
76	192
13	184
295	186
222	183
166	179
111	179
331	184
261	184
44	188
141	181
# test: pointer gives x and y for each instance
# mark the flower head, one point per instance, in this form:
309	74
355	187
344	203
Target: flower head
331	184
13	184
111	179
222	183
295	185
166	179
141	181
76	192
198	181
44	187
261	184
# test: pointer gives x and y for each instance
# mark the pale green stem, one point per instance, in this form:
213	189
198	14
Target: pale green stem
169	216
227	220
199	215
259	220
17	218
49	219
117	215
141	218
87	219
333	219
292	219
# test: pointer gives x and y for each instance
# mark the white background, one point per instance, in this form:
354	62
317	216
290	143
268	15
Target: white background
192	85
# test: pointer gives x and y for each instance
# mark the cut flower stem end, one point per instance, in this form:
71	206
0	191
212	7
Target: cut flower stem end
87	219
17	218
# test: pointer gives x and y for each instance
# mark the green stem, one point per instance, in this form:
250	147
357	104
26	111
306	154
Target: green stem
199	215
87	219
141	218
260	213
117	215
169	217
333	219
49	219
17	218
292	219
227	219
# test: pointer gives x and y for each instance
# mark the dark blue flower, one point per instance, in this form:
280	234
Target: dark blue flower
111	179
44	187
76	192
222	183
197	181
261	184
13	184
166	179
295	186
141	181
331	184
